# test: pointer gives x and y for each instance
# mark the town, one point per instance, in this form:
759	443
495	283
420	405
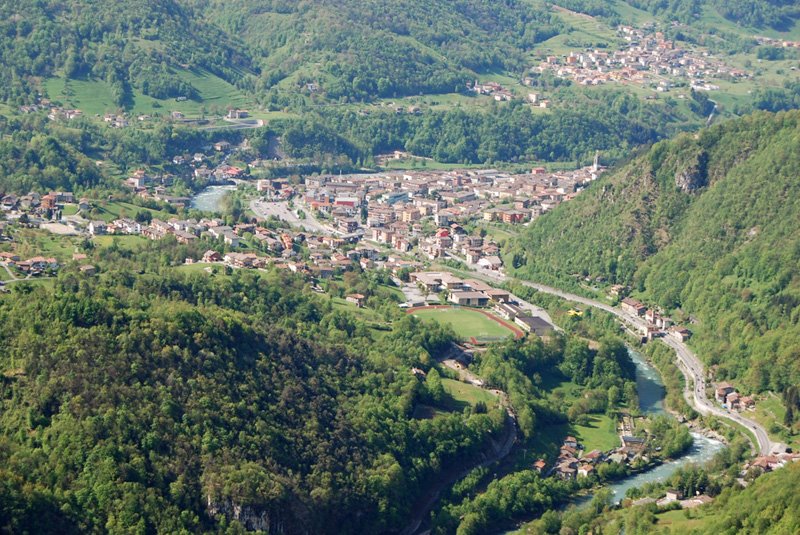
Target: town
647	59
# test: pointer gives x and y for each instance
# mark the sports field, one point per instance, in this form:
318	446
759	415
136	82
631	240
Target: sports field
469	324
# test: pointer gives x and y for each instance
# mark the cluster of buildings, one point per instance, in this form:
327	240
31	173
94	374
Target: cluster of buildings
572	462
769	463
647	58
428	208
493	89
672	496
778	42
37	204
189	230
657	325
115	120
726	394
32	266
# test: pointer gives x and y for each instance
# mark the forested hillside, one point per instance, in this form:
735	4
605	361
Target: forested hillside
704	226
367	48
124	43
163	402
346	49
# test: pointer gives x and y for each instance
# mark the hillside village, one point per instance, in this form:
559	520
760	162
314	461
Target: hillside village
647	59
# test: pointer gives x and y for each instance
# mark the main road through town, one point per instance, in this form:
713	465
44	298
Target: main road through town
689	363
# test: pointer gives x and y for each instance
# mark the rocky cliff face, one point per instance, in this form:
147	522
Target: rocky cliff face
694	176
250	517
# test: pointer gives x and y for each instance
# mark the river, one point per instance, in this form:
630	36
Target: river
651	401
210	199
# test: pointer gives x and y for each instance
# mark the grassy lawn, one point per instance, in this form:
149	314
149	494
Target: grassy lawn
94	97
363	313
33	242
394	290
466	323
422	165
117	209
770	413
4	275
677	522
69	209
124	242
599	434
464	394
200	267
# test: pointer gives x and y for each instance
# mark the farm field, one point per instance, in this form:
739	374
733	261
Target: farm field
466	323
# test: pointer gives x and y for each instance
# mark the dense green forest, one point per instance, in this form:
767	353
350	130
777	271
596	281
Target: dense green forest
361	49
612	121
705	227
347	49
125	43
762	14
146	399
161	402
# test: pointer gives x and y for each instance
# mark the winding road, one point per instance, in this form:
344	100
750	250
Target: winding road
688	362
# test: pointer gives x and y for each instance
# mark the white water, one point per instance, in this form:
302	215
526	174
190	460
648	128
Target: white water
210	199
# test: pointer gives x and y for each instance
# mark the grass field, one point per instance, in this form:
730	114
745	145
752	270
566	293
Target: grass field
200	267
599	434
464	394
117	209
770	412
677	521
94	97
32	242
466	323
423	165
69	209
124	242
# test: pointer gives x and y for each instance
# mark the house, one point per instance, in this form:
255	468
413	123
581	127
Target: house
237	114
491	262
674	495
221	146
356	299
88	269
593	456
184	237
722	391
585	470
9	202
732	400
97	228
466	298
632	306
212	256
747	402
571	441
535	325
539	465
565	471
680	333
